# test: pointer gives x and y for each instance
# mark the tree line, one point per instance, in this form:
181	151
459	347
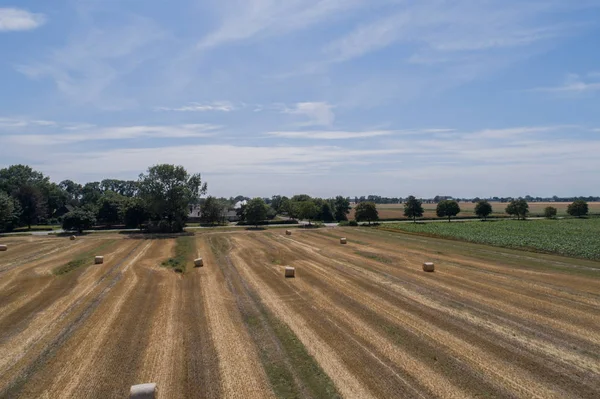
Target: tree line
158	200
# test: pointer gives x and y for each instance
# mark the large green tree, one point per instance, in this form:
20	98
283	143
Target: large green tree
342	208
33	206
578	208
447	208
168	190
307	210
366	211
111	208
518	208
10	212
483	209
413	208
16	176
255	211
136	213
211	210
79	220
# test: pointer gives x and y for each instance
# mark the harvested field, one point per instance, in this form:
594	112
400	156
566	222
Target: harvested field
396	211
359	320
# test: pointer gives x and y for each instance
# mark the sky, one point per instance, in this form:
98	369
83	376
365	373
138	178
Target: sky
325	97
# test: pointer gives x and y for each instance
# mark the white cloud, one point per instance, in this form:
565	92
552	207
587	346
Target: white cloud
574	84
85	68
244	19
14	19
222	106
329	135
515	132
439	29
23	122
91	133
318	113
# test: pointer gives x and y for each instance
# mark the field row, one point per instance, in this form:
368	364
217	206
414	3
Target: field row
467	209
570	237
360	320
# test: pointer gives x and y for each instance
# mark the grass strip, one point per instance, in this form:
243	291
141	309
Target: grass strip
374	256
83	259
185	248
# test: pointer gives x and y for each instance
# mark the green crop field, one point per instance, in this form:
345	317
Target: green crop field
569	237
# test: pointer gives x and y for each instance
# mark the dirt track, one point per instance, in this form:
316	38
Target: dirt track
359	320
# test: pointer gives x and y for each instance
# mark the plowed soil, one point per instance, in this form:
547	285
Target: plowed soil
360	320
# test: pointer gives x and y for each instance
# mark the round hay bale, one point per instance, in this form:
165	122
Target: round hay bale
428	267
143	391
290	271
3	248
72	238
343	240
99	259
198	262
288	232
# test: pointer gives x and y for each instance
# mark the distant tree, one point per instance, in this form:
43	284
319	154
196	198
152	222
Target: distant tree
447	208
307	210
168	190
16	176
241	213
111	208
78	219
255	211
33	207
342	208
287	207
271	213
91	194
212	210
550	212
483	209
366	211
10	211
300	198
476	200
72	189
518	208
326	213
276	203
578	208
413	208
136	214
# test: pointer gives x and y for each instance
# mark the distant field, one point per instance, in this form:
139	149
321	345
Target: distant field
569	237
396	211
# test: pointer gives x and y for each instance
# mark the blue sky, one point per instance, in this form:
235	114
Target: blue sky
325	97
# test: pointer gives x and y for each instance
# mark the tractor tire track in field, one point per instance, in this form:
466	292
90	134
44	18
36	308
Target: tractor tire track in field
14	387
237	358
291	371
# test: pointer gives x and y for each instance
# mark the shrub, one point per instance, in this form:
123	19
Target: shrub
353	223
550	212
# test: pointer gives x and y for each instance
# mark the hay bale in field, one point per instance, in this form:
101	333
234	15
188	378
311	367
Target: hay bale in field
290	271
72	238
288	232
143	391
428	267
3	248
198	262
343	240
99	259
